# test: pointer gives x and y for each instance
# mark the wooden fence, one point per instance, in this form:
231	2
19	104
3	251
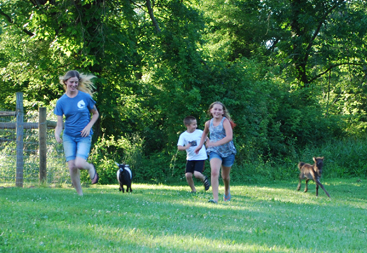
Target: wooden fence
19	125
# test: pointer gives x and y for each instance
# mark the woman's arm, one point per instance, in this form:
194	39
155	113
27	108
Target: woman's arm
86	131
58	129
228	138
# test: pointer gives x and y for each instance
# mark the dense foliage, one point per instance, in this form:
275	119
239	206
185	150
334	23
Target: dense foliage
291	72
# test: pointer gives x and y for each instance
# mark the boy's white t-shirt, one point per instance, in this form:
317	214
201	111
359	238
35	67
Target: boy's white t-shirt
193	138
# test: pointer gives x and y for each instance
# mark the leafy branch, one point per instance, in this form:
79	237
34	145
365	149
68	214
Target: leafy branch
10	21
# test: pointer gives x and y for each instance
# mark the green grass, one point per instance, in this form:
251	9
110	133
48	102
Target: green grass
159	218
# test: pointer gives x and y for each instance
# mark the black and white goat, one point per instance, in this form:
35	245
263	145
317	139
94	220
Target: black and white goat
124	176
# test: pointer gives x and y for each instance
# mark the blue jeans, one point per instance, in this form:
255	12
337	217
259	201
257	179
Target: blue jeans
76	147
226	161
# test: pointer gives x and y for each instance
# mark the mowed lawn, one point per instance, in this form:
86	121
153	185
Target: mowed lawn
159	218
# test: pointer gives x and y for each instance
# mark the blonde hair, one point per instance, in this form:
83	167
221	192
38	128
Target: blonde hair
85	81
225	112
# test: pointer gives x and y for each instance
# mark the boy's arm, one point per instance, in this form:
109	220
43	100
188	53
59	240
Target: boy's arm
181	148
181	144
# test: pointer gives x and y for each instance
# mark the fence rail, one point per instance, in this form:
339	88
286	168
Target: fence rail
13	125
8	113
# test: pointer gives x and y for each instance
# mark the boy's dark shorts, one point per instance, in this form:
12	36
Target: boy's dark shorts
195	165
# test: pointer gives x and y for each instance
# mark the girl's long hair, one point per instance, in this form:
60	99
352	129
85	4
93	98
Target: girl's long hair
225	112
85	81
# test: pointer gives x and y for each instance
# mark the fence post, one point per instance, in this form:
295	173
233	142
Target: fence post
42	131
19	149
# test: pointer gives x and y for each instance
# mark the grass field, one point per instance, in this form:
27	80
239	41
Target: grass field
160	218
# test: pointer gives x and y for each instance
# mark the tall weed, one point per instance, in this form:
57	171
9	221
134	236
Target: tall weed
343	159
106	152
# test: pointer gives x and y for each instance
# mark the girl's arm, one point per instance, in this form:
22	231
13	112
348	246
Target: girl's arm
203	137
228	138
86	131
58	129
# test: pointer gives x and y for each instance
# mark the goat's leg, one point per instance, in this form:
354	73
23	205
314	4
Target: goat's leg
322	187
299	184
317	189
306	188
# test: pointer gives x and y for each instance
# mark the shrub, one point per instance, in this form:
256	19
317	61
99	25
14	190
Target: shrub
106	152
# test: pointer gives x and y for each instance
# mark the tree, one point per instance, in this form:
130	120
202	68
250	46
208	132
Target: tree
119	41
308	38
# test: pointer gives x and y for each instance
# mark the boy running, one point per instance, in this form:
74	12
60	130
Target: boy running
188	141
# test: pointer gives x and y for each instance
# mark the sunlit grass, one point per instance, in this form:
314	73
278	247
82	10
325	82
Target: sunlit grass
160	218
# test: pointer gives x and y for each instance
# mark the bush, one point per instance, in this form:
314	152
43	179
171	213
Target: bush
106	152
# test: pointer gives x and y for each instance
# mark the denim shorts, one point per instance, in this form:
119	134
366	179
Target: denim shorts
226	161
76	147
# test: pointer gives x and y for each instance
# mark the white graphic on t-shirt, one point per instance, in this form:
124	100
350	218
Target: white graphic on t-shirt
81	104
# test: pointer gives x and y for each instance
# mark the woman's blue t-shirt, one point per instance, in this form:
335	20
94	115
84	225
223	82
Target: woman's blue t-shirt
76	111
